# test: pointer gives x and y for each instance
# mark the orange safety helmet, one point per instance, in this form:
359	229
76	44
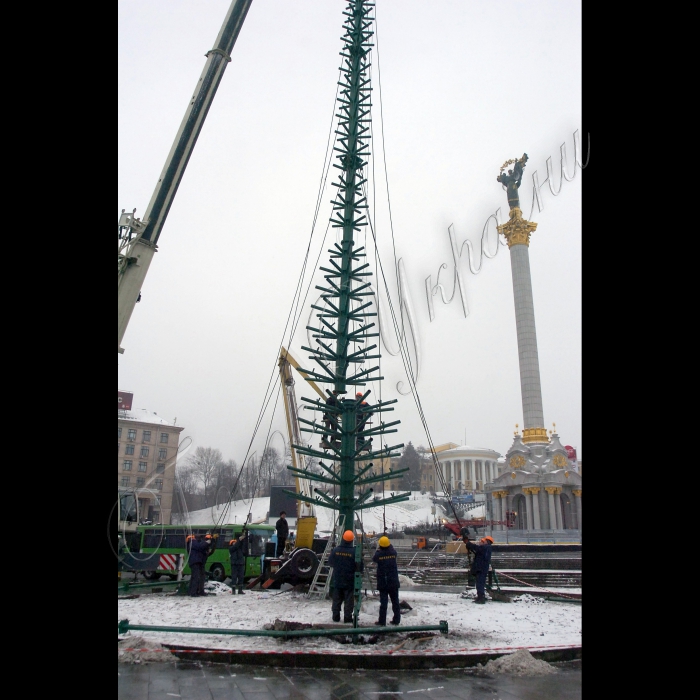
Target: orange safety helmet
348	536
207	537
232	541
189	537
488	538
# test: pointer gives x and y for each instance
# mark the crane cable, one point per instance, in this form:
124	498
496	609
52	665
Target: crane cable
294	308
379	320
403	344
225	511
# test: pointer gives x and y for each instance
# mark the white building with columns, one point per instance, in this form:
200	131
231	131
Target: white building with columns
466	468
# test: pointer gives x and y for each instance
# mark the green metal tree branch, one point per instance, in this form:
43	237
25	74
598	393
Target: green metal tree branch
344	318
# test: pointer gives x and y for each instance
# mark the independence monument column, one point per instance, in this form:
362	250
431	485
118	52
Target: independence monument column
517	232
539	482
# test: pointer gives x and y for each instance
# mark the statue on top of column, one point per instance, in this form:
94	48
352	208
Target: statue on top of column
512	180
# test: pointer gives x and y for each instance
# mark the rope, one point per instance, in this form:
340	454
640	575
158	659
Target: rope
294	313
257	481
386	174
376	266
546	590
403	346
406	360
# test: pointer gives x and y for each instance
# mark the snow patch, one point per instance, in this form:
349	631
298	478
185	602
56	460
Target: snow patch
528	599
520	663
136	650
217	588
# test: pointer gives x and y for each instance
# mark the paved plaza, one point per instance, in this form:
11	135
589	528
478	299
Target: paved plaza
207	681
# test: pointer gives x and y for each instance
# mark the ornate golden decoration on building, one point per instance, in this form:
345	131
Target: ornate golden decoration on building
577	492
535	435
517	461
517	231
554	490
560	461
513	475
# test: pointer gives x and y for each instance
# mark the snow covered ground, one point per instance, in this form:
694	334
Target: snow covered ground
417	510
527	622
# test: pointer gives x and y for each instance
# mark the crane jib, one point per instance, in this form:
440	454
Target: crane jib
191	125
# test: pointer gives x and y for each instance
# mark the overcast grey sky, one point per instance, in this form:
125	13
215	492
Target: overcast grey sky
465	85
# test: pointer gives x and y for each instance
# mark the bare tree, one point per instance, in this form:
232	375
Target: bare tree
205	464
247	478
188	490
244	486
222	482
270	467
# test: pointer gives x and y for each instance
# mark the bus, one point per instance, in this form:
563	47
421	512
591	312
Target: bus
126	514
170	539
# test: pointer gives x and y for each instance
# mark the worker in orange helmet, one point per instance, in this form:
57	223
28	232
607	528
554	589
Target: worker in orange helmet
342	561
197	549
480	565
387	581
210	542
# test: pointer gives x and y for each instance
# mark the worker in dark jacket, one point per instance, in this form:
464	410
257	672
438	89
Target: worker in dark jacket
363	413
238	550
387	581
282	527
330	421
342	561
197	550
480	566
210	541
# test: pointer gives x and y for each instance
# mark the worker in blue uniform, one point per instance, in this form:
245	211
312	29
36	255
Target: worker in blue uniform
197	549
480	565
387	581
238	549
342	561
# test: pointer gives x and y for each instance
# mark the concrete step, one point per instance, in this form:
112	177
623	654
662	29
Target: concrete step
545	578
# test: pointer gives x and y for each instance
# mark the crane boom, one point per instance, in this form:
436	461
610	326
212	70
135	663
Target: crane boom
138	238
305	510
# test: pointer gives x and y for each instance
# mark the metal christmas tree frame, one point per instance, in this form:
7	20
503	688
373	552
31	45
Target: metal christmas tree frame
346	435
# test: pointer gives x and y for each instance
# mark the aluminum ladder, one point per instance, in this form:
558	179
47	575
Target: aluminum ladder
322	578
367	553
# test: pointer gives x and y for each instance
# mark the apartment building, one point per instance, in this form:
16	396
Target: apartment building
146	458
